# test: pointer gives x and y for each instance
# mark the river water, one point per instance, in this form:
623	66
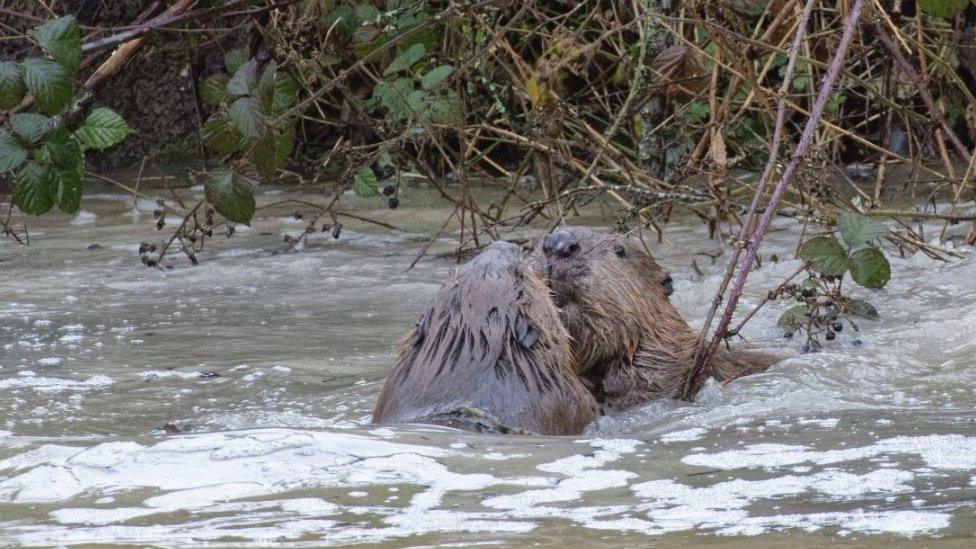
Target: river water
271	364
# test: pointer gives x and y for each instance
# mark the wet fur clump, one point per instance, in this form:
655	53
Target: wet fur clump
630	341
489	353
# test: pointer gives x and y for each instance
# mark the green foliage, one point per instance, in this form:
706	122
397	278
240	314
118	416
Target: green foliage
102	128
858	230
36	190
30	126
231	195
793	318
47	159
365	183
12	153
213	90
826	254
12	88
870	268
48	81
247	124
868	265
946	9
435	76
61	39
406	59
857	307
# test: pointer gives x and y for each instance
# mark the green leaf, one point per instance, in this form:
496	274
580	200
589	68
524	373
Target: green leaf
445	110
342	18
70	185
213	91
63	150
12	87
61	39
220	135
793	318
30	126
436	76
857	229
247	116
233	60
365	184
285	92
245	79
49	83
417	101
266	85
12	154
265	153
232	197
284	143
102	128
827	255
35	190
856	307
870	268
406	59
393	97
946	9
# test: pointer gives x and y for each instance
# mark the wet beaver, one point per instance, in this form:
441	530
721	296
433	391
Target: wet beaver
630	341
491	354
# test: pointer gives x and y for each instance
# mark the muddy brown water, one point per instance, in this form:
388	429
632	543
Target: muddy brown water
273	363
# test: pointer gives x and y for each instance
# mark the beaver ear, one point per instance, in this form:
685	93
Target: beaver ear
668	284
619	250
525	332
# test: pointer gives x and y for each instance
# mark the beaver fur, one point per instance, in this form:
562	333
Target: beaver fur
630	341
489	353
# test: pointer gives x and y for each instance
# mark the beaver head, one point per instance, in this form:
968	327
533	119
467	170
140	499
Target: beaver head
610	291
631	343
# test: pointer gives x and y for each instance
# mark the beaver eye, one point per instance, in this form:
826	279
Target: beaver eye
619	250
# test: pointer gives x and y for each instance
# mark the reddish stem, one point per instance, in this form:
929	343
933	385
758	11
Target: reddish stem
700	371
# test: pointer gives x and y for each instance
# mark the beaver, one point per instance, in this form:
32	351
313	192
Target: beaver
631	343
490	354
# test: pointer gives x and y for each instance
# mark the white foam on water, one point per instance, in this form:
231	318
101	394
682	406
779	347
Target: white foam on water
688	435
940	451
43	384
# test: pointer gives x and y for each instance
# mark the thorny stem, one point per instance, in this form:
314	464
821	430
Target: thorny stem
700	371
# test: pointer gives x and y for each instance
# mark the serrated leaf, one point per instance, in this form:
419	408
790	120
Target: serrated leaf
856	307
213	90
826	254
870	268
857	229
12	154
435	76
102	128
247	116
232	196
406	59
30	126
70	183
12	88
220	135
793	318
364	184
61	39
285	92
63	150
233	60
946	9
35	191
244	79
48	82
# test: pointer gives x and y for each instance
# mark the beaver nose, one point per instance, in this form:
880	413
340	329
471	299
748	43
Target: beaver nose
560	244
